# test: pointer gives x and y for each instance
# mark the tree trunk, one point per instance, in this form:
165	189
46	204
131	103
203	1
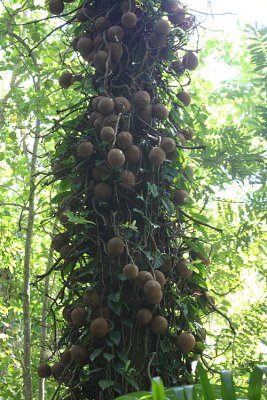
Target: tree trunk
27	377
41	391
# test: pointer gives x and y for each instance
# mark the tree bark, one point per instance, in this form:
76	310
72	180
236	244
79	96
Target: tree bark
41	391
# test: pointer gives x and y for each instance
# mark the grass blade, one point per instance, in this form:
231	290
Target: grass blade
158	392
189	392
176	393
255	382
228	389
206	386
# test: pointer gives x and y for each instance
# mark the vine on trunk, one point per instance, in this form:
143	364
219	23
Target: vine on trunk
127	257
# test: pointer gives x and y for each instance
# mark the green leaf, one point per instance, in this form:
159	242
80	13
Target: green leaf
132	382
158	392
115	336
108	356
189	392
105	383
228	389
207	387
175	393
152	189
255	382
96	353
60	196
75	219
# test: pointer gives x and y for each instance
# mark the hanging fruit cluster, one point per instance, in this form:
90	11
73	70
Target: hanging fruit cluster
129	304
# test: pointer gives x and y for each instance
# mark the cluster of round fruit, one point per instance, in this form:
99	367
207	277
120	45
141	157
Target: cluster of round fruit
185	341
178	14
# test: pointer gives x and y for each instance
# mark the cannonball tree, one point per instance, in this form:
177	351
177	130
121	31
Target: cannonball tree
130	304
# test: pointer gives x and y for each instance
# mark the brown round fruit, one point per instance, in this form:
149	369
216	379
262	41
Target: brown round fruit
60	240
100	60
188	133
122	105
100	173
94	116
98	41
99	327
65	357
141	99
85	149
145	113
115	33
130	271
168	145
65	251
155	299
177	67
162	27
110	120
57	370
185	98
78	316
107	133
152	288
181	268
59	170
106	105
167	265
116	51
185	341
169	5
129	19
116	158
85	46
180	197
127	179
132	154
103	191
190	61
90	57
76	78
144	316
159	325
101	23
80	354
83	14
44	370
56	7
92	298
98	126
178	17
115	246
124	140
156	41
157	156
160	277
142	278
66	314
182	139
65	80
95	103
160	111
